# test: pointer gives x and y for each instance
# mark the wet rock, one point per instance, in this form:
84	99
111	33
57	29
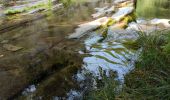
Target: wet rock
122	12
11	47
87	27
30	89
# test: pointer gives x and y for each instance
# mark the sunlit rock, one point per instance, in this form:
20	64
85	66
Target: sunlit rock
116	26
119	1
103	11
110	10
143	27
165	22
122	12
87	27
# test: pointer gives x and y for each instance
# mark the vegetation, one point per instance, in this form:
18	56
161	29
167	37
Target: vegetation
150	78
25	9
70	2
107	88
15	11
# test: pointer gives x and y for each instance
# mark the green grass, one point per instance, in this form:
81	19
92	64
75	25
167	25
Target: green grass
150	79
106	88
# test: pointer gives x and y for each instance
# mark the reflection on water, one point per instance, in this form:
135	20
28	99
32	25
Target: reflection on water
109	55
153	8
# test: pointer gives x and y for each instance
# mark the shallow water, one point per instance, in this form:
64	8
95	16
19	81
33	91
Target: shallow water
46	32
52	29
110	55
153	8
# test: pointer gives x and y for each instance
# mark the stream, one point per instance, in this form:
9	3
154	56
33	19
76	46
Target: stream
52	55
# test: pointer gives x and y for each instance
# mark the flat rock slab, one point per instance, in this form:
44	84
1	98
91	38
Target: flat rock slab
122	12
103	11
87	27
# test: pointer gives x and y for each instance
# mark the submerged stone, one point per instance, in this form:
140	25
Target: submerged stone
11	47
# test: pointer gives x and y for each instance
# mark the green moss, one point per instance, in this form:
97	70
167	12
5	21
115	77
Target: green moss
104	28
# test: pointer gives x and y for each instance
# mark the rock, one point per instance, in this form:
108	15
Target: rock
4	41
1	6
142	27
122	12
1	55
57	6
119	1
90	26
126	4
118	26
16	36
141	21
165	22
110	10
36	10
11	47
103	11
98	14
